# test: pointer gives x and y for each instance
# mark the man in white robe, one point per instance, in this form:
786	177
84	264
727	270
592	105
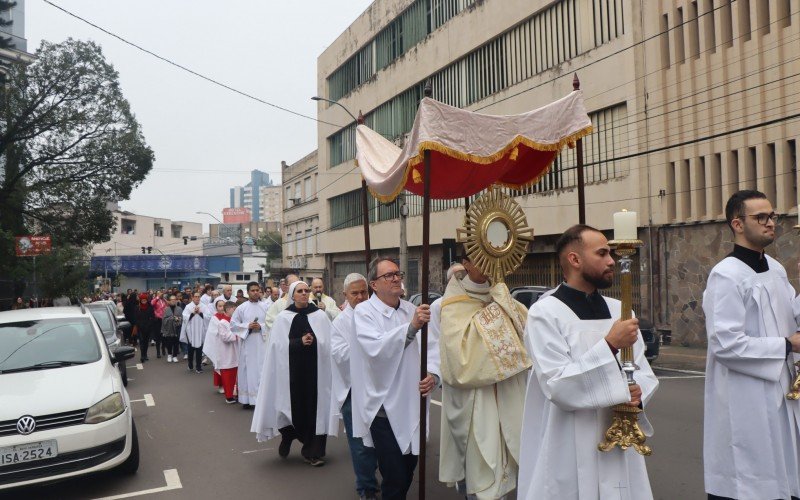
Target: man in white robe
323	301
343	334
248	323
193	331
484	374
385	366
574	340
750	445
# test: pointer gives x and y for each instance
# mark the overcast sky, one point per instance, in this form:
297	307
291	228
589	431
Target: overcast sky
207	139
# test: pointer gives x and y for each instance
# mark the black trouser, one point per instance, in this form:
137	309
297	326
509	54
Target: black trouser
157	337
397	470
196	354
313	445
171	345
144	342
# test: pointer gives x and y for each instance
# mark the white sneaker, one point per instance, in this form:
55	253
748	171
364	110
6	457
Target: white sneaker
175	359
169	358
185	356
221	390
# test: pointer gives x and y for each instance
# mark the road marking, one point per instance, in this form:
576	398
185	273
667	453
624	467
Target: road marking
676	370
138	366
437	403
682	378
173	483
148	400
256	451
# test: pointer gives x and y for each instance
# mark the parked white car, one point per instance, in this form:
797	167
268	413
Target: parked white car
64	410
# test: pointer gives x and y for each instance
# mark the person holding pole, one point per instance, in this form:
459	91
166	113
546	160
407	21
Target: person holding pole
386	413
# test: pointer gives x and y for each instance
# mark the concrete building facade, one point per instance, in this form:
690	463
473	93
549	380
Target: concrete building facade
260	195
690	100
301	214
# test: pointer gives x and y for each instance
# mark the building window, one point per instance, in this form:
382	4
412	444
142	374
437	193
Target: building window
309	190
699	188
609	20
677	33
298	197
177	230
158	230
311	246
716	186
709	27
783	13
762	16
768	174
694	31
726	21
670	192
127	226
298	238
288	197
664	39
751	169
744	19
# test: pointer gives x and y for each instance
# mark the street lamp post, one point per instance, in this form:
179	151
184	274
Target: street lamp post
364	204
165	263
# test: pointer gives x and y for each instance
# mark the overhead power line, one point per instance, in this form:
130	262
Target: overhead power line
184	68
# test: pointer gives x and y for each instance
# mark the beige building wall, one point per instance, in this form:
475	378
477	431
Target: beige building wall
551	211
301	218
689	100
132	232
271	201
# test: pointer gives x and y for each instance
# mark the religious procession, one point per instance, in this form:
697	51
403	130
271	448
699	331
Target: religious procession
543	402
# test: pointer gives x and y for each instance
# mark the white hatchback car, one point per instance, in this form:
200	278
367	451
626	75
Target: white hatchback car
63	409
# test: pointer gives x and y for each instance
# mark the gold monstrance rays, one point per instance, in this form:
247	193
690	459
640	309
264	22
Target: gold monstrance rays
495	235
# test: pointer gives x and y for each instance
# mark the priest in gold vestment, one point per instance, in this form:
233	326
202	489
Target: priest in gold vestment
484	374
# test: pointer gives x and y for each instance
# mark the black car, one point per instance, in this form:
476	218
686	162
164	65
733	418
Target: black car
112	332
416	299
527	295
651	339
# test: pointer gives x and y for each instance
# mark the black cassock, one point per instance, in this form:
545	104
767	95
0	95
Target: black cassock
303	386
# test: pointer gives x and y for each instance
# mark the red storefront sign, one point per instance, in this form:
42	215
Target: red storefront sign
28	246
236	215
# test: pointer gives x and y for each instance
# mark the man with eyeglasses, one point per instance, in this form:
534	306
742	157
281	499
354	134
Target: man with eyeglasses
752	431
387	348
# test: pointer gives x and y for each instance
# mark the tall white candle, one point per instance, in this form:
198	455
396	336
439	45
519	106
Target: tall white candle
625	225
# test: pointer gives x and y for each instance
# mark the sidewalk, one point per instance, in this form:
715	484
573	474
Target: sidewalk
681	358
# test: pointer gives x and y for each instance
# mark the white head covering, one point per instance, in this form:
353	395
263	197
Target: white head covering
290	295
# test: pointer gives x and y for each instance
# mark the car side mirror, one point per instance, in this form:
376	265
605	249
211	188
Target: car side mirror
120	318
123	325
122	353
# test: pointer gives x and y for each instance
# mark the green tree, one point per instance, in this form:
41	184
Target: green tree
272	244
69	145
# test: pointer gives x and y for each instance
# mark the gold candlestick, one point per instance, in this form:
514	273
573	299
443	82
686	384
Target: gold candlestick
624	431
794	393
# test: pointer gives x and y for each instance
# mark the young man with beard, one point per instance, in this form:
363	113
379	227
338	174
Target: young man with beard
750	447
574	337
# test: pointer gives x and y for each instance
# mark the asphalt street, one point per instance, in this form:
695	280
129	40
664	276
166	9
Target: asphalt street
195	446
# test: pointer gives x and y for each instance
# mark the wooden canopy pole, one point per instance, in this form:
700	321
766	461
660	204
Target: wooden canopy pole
576	85
365	210
423	368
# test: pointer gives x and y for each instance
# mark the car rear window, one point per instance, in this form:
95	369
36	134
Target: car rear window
34	343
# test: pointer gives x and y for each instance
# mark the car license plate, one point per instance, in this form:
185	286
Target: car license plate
28	452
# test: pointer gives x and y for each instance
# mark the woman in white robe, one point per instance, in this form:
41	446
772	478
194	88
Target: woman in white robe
294	395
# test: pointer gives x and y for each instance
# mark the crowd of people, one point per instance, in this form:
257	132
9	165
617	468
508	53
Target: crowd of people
526	394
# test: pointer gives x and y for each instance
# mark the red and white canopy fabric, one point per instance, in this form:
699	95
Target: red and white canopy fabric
470	151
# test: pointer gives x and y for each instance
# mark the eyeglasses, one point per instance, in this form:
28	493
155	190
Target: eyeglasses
304	290
391	276
763	218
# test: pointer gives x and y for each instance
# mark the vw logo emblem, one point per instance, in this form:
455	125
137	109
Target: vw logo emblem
26	425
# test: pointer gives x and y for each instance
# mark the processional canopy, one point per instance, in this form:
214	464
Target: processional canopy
469	152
